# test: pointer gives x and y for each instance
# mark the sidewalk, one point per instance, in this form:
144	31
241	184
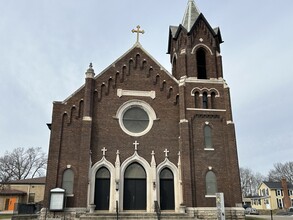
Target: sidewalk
275	217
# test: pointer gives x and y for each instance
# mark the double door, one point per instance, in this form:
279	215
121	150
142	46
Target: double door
134	194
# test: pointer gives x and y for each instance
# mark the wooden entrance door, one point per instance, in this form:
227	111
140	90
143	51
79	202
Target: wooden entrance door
102	189
10	203
134	188
167	201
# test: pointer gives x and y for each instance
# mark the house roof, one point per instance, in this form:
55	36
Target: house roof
12	192
39	180
277	185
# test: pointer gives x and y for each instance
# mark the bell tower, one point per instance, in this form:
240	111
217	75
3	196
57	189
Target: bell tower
207	140
194	47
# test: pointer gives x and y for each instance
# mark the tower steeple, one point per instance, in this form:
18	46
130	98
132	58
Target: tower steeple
194	47
190	15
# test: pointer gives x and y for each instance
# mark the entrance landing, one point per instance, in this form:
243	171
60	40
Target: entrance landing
136	216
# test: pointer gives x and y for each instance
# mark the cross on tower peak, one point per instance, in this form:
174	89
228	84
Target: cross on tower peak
137	31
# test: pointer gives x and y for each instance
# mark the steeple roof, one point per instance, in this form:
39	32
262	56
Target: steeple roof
190	16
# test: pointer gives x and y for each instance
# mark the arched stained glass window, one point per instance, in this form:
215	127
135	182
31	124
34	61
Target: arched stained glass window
211	183
103	173
67	181
135	171
166	174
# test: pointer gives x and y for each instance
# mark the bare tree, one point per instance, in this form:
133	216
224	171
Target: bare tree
282	171
250	181
22	163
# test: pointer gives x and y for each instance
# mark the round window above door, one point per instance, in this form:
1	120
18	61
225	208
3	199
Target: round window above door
136	117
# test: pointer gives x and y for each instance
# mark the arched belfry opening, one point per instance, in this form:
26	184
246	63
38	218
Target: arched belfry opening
205	103
102	189
134	188
201	64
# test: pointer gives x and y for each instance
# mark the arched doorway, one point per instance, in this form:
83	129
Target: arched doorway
167	201
102	189
134	188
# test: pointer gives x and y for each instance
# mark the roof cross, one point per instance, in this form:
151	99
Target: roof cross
137	31
104	150
166	152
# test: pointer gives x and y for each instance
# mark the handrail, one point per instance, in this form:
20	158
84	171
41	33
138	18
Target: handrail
158	210
117	210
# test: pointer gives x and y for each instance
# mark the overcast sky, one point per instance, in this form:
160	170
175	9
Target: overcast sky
47	45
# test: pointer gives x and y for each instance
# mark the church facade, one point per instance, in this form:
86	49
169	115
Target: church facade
138	138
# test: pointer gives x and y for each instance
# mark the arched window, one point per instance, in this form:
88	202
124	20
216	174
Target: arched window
201	64
67	181
208	143
211	183
213	100
167	201
205	100
196	100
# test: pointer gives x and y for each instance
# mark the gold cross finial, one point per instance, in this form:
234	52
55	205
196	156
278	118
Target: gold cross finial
137	31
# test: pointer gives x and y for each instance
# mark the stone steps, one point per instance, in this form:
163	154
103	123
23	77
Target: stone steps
135	216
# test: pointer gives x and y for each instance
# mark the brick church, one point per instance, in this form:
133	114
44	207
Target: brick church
138	139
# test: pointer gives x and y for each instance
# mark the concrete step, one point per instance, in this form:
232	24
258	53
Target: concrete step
135	216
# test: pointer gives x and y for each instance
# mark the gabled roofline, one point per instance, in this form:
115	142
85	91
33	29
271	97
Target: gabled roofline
267	183
6	192
35	181
136	45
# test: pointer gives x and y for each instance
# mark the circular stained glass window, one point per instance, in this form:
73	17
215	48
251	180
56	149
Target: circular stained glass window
136	117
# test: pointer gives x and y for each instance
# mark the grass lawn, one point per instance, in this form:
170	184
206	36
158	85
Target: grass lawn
4	216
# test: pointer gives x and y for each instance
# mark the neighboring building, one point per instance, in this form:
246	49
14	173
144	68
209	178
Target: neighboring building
26	191
274	195
135	134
